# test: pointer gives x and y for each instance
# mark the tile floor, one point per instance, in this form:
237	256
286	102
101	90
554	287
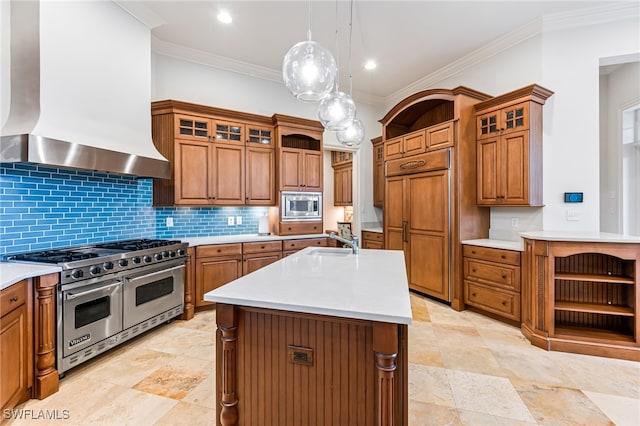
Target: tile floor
465	369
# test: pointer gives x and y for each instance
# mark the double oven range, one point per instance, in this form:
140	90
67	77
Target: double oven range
111	292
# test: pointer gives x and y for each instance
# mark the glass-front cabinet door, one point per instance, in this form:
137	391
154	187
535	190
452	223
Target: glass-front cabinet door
228	132
259	136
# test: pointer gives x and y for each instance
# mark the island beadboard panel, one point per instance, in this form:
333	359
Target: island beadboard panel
315	370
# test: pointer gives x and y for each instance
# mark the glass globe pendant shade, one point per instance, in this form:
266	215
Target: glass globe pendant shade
353	135
308	71
337	111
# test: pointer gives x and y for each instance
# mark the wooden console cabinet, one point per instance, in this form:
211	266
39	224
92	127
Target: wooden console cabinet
582	297
372	240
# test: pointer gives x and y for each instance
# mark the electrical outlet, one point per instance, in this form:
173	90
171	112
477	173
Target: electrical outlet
238	220
572	215
514	222
230	221
169	222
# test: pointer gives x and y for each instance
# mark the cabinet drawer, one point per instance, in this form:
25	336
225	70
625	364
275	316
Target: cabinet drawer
372	236
507	276
492	254
13	297
261	247
299	228
437	160
501	302
300	244
218	250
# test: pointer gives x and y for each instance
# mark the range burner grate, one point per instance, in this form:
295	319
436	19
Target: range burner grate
139	244
54	256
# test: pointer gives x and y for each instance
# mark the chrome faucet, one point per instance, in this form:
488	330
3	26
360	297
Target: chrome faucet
353	242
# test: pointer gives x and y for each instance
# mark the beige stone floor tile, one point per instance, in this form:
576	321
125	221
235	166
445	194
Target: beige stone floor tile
471	358
474	418
529	363
455	336
622	410
130	366
487	394
189	415
177	340
427	414
171	382
430	385
131	407
561	406
204	394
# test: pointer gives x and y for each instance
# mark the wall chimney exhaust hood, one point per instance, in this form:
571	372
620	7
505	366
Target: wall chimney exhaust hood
76	88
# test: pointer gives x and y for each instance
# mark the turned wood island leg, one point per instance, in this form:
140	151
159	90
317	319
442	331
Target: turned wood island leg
46	379
385	348
226	318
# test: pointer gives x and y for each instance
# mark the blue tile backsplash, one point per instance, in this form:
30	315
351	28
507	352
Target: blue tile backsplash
44	207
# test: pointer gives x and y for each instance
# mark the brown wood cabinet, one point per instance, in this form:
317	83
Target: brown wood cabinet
582	297
410	144
372	240
189	284
16	341
492	280
378	171
300	170
509	134
216	265
219	157
421	230
343	185
256	255
430	196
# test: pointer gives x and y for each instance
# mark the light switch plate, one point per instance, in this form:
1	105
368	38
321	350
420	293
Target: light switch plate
230	221
238	220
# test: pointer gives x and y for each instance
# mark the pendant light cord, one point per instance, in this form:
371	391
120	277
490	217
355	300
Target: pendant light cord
350	36
309	18
337	79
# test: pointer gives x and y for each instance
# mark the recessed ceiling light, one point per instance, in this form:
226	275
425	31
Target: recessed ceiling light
370	65
224	17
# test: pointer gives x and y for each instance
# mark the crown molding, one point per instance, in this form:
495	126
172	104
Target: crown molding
472	59
204	58
592	16
142	13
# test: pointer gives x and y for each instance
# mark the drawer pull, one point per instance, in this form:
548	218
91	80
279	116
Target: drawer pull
262	247
503	303
473	295
473	270
219	251
503	256
473	252
504	277
13	299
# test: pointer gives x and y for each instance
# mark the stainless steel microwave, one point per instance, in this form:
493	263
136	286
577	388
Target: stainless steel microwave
301	206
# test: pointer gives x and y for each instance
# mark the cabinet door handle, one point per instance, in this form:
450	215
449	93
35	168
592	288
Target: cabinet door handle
473	270
503	303
404	231
13	299
504	276
473	295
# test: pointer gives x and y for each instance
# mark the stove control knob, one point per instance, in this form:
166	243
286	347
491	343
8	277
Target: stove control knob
136	259
158	256
95	270
172	253
181	252
77	273
165	254
123	262
147	259
108	265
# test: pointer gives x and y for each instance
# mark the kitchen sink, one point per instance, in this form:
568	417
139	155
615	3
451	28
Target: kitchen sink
329	252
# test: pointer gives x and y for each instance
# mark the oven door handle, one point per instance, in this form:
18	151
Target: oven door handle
153	274
71	296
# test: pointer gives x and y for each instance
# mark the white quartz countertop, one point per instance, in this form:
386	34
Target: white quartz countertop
371	285
245	238
493	243
592	237
12	272
373	229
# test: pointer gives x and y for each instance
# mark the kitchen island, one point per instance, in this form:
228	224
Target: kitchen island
319	337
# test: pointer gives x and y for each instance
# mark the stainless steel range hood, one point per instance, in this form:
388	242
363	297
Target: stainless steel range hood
78	92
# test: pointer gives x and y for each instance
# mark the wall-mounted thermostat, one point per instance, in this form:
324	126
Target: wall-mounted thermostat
573	197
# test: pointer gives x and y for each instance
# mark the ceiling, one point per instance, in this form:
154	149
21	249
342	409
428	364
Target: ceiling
409	39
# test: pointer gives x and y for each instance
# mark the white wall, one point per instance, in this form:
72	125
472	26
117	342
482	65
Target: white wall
618	90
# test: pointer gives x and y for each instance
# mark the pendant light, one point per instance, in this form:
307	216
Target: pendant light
337	110
353	135
308	69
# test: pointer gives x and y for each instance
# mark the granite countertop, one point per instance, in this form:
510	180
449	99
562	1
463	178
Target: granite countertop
499	244
371	285
245	238
594	237
12	272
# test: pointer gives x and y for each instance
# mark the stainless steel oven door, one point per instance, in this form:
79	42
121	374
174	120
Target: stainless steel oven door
152	292
90	314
